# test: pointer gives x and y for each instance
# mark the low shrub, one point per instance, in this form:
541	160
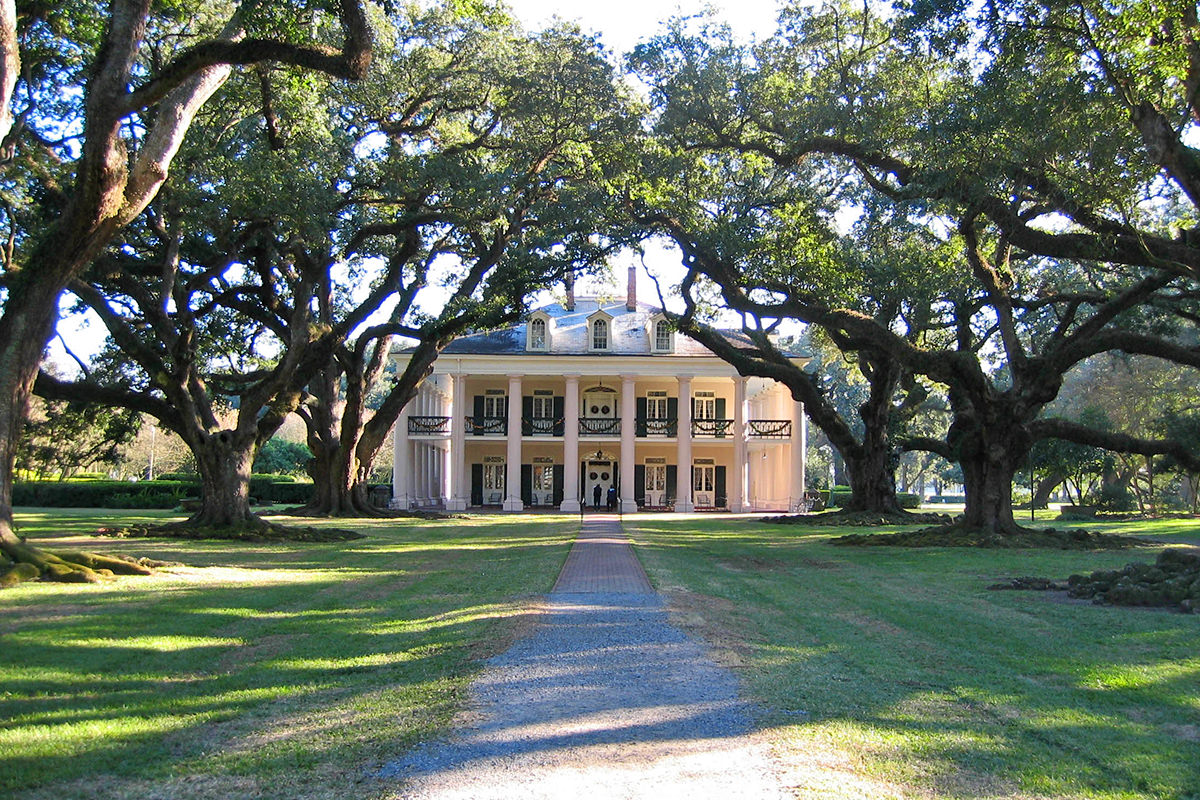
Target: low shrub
144	499
842	494
1114	497
94	494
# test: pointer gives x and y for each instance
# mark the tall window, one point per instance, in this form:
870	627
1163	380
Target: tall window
600	334
493	483
537	334
543	407
543	477
662	335
656	478
494	406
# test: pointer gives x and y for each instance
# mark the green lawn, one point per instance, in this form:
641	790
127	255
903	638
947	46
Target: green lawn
888	672
290	671
280	671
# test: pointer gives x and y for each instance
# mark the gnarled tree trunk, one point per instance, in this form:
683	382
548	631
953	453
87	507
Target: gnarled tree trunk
989	449
225	459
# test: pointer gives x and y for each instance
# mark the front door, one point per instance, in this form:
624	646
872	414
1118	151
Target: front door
704	485
656	485
598	478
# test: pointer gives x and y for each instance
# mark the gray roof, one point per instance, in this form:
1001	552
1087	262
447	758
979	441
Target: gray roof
569	333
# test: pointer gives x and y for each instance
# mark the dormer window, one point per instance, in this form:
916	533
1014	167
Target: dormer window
599	331
662	335
537	333
600	334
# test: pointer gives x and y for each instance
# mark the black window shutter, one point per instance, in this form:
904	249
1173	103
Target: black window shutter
477	482
526	416
672	482
527	482
720	415
479	425
639	484
557	498
720	487
559	410
673	414
640	429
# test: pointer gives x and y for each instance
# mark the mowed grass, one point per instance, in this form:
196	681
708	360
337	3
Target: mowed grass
890	672
274	671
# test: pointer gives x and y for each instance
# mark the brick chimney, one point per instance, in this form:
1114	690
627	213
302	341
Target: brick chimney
631	290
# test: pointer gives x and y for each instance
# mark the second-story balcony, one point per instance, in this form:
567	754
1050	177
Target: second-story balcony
778	429
538	426
770	429
428	426
656	427
715	428
487	426
599	426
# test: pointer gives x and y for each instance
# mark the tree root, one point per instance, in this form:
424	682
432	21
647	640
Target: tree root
959	535
1172	581
24	563
362	513
860	519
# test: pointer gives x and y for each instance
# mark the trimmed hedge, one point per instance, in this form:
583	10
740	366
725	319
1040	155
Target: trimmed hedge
147	494
841	495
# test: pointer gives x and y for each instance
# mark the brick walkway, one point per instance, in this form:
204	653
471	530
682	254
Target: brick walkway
602	561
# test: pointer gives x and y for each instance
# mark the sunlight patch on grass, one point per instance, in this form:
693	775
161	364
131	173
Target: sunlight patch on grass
140	644
458	616
1141	676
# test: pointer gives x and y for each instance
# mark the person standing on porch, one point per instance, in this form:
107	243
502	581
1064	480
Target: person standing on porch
596	497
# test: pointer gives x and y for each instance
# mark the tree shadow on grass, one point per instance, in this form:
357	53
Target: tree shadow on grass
334	659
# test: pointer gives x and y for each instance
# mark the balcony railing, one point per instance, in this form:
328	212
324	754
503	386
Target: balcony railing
487	426
599	426
427	425
536	426
711	427
770	429
603	426
658	427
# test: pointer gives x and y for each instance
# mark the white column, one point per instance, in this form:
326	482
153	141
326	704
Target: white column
796	471
459	490
737	489
512	479
570	501
683	451
426	460
628	448
401	463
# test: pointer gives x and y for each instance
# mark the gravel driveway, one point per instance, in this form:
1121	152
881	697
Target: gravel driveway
605	699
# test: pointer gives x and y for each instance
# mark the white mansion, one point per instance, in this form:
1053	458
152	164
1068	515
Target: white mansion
580	405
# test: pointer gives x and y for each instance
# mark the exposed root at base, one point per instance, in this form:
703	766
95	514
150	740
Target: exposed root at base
960	536
360	513
860	519
26	563
1172	581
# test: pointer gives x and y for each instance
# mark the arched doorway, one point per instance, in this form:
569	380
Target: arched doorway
598	475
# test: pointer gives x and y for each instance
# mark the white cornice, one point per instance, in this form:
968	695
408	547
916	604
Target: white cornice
644	366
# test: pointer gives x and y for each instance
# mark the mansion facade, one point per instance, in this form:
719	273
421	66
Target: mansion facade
596	403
